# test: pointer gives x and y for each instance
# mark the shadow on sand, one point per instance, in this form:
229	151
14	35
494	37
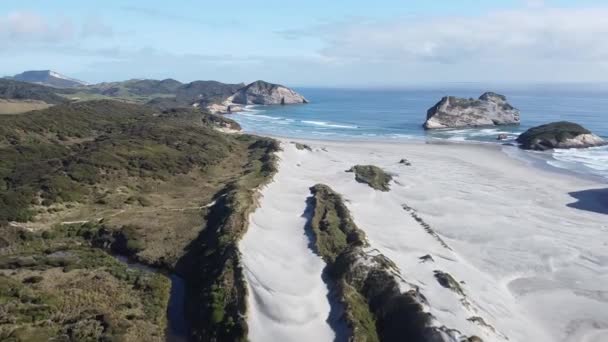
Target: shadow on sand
335	319
594	200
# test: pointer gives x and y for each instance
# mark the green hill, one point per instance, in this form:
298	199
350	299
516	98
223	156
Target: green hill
16	90
164	188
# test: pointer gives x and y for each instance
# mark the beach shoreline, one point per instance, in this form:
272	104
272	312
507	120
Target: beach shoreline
534	159
519	235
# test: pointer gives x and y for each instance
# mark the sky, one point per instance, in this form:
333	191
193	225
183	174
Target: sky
331	43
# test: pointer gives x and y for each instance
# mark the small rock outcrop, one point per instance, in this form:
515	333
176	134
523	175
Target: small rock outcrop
264	93
490	109
373	176
405	162
562	134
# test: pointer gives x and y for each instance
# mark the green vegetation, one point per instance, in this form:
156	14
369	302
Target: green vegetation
375	308
221	122
332	225
205	92
136	88
302	147
373	176
21	106
61	287
132	91
82	179
159	94
15	90
56	155
446	280
165	94
216	285
336	234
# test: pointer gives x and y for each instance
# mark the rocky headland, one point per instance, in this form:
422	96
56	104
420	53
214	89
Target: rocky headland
257	93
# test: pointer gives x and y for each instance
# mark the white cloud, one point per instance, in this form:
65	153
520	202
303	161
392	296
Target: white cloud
19	26
521	38
522	35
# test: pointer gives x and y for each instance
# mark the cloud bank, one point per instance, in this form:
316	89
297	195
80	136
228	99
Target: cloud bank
529	35
536	43
22	27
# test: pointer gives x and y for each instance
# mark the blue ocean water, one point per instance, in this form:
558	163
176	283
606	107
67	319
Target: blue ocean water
398	114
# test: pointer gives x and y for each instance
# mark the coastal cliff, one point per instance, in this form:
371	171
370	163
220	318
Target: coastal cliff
490	109
258	93
264	93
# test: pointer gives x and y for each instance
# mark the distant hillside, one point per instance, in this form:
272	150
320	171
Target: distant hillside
48	78
163	94
210	96
15	90
205	92
197	93
136	88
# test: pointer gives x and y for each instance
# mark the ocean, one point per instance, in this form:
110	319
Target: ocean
398	115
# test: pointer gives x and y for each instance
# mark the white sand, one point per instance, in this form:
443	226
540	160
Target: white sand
533	268
287	297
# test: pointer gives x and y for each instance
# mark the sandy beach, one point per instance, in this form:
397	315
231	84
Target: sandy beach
528	245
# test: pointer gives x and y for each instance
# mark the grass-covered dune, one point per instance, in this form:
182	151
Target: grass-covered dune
81	180
366	282
373	176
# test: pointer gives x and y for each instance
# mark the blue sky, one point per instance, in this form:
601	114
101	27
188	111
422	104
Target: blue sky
314	43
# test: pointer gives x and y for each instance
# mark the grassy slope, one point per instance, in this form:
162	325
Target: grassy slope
21	106
15	90
375	307
138	183
54	284
163	94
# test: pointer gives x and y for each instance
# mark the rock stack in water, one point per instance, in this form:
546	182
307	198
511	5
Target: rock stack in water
490	109
560	134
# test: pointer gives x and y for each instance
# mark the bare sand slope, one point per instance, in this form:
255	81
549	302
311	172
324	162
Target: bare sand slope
287	297
531	267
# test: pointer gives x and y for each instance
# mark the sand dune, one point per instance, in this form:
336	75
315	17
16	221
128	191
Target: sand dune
532	266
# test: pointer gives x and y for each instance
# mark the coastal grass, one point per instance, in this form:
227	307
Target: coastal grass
212	265
56	285
332	224
375	309
373	176
335	235
302	147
